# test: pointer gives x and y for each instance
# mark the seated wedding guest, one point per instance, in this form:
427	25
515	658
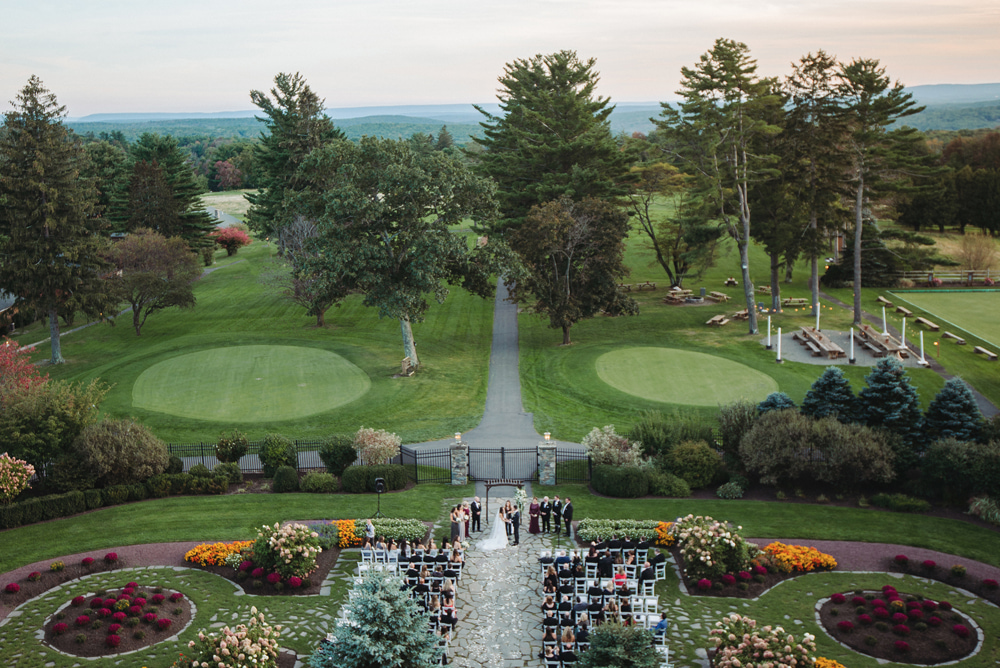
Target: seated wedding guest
432	545
548	604
643	544
562	558
605	565
550	619
614	544
445	545
566	620
618	559
578	571
380	543
625	610
661	626
630	558
568	638
591	557
565	605
647	572
434	611
445	636
551	577
549	588
565	572
624	590
580	607
583	628
421	587
412	572
628	543
456	557
549	635
448	618
610	591
448	602
567	587
611	610
566	654
448	588
620	577
420	546
658	558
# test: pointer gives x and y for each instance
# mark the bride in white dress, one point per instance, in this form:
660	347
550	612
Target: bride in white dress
498	536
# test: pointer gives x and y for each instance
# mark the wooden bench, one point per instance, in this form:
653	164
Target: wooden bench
814	348
927	323
958	339
647	284
875	350
982	351
673	299
882	300
719	296
906	312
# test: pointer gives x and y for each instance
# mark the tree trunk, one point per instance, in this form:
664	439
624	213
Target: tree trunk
136	321
321	317
57	357
775	283
409	347
747	285
789	266
566	340
858	202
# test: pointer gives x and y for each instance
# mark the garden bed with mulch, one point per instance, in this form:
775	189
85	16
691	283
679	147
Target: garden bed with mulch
117	621
325	561
899	627
953	574
747	584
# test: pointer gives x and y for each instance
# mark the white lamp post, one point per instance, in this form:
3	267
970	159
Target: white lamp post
885	330
768	332
852	360
779	347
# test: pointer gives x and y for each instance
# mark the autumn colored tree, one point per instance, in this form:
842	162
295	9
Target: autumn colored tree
231	238
16	370
228	175
154	273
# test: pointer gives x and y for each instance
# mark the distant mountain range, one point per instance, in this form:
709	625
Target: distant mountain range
949	107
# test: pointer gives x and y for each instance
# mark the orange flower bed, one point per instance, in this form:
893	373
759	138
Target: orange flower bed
799	558
215	554
346	533
823	662
663	536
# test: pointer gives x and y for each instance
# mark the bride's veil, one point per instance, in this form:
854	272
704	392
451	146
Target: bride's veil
498	536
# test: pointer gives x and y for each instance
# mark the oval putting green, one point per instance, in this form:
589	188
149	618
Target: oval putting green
682	377
249	384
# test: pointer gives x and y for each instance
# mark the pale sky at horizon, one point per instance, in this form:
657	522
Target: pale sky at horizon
117	56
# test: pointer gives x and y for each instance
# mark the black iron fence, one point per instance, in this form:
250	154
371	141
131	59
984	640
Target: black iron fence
573	465
425	465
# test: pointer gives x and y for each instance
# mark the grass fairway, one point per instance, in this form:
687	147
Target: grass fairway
250	384
978	313
682	376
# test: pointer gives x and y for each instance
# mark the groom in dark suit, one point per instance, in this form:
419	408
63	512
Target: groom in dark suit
557	512
476	511
515	521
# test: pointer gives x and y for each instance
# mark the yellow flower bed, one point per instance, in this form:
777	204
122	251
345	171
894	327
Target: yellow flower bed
799	558
822	662
215	554
346	533
663	536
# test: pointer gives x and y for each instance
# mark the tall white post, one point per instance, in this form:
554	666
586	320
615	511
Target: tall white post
903	342
885	330
779	347
922	360
817	320
851	360
768	332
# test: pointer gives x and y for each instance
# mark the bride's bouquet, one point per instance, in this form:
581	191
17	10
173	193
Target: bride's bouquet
521	499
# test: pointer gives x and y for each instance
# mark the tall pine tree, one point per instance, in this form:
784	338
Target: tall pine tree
49	242
890	402
553	140
953	413
831	394
385	628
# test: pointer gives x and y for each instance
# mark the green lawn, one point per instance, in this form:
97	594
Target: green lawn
977	313
179	363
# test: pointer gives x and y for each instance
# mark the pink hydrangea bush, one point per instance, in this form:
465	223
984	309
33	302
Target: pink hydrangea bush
15	477
741	643
256	640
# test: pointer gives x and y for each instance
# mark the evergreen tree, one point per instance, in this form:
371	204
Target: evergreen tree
725	108
49	242
831	394
890	402
553	140
615	646
385	628
295	123
109	166
150	202
776	401
194	222
444	140
953	413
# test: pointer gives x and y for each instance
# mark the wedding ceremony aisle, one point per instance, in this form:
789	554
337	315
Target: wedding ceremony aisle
501	615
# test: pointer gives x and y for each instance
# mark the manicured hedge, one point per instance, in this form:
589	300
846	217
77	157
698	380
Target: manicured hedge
42	508
619	481
361	479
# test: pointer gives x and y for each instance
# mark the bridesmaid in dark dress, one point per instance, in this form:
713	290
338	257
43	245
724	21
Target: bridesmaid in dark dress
533	512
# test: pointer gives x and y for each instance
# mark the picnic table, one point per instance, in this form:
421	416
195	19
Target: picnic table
795	301
741	315
819	343
880	344
719	296
730	281
625	286
647	284
766	289
717	321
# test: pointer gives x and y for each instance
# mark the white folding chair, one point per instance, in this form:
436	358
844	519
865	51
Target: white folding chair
591	570
630	570
581	586
648	588
665	650
661	570
367	556
380	556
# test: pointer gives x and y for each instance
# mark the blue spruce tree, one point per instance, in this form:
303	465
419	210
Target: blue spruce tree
953	413
776	401
385	628
831	394
890	402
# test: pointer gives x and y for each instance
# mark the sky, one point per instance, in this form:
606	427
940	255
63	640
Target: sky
117	56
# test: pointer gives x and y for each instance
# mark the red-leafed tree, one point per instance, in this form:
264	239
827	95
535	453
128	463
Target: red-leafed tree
231	238
16	371
229	176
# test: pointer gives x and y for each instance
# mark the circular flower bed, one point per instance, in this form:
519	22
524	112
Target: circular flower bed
117	621
898	627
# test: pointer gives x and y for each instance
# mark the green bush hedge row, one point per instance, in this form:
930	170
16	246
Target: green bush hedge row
361	479
53	506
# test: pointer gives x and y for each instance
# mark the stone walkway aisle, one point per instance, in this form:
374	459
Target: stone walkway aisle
500	611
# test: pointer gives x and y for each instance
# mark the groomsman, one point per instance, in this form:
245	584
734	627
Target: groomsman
557	511
545	510
567	515
476	509
515	520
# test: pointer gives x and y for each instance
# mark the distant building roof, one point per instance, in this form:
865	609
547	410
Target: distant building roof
6	301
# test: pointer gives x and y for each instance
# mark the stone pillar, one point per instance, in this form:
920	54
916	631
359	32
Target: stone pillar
459	463
546	463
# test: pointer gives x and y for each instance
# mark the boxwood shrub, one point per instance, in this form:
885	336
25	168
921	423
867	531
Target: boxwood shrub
619	481
361	479
338	453
901	503
277	451
663	483
232	472
319	483
286	479
42	508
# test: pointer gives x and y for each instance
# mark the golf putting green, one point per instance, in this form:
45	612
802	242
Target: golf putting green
682	377
249	384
